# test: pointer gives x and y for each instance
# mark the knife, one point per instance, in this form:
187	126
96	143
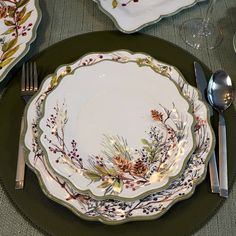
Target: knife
202	86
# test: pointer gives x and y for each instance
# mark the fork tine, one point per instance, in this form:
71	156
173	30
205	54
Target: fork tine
35	77
23	78
31	76
27	77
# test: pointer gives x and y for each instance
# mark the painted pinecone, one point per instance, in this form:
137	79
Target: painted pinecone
156	115
139	169
6	11
3	12
123	164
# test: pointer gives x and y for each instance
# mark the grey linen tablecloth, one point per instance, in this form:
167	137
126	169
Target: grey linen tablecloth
66	18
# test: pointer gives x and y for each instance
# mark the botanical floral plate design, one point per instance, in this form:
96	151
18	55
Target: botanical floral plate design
19	20
132	15
117	129
114	211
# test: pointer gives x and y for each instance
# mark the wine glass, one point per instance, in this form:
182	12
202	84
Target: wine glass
234	42
200	32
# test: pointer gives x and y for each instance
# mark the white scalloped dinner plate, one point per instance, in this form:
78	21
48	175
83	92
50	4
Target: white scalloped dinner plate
150	207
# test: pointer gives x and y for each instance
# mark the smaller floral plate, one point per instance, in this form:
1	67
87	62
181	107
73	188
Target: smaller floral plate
132	15
19	20
118	130
110	211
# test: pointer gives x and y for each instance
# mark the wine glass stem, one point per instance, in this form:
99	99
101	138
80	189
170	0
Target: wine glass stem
209	13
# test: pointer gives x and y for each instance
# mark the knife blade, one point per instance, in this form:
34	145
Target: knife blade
202	86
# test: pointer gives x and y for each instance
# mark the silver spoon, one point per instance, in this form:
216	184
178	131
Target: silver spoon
220	96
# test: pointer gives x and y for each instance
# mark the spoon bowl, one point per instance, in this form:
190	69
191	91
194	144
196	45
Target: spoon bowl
220	91
220	95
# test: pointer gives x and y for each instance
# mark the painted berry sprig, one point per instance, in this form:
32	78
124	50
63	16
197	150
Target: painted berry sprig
56	123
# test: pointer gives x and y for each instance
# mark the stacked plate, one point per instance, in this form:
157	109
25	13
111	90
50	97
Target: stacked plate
132	15
118	137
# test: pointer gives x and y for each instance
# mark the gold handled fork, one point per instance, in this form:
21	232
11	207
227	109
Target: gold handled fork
29	85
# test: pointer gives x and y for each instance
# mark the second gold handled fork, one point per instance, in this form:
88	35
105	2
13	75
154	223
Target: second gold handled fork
29	85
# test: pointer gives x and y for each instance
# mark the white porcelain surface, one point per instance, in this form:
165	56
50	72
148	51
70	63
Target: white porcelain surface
149	207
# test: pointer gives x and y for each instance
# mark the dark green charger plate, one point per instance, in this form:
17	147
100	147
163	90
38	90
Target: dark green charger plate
183	218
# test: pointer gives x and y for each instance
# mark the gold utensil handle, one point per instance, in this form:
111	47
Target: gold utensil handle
215	186
20	170
223	158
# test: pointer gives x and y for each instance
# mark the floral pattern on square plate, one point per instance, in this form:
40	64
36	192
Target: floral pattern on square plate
132	15
114	211
19	20
118	130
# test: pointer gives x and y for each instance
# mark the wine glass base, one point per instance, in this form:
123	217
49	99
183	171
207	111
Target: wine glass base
199	35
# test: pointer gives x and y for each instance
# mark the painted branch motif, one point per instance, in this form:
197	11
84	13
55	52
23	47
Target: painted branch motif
119	167
15	16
